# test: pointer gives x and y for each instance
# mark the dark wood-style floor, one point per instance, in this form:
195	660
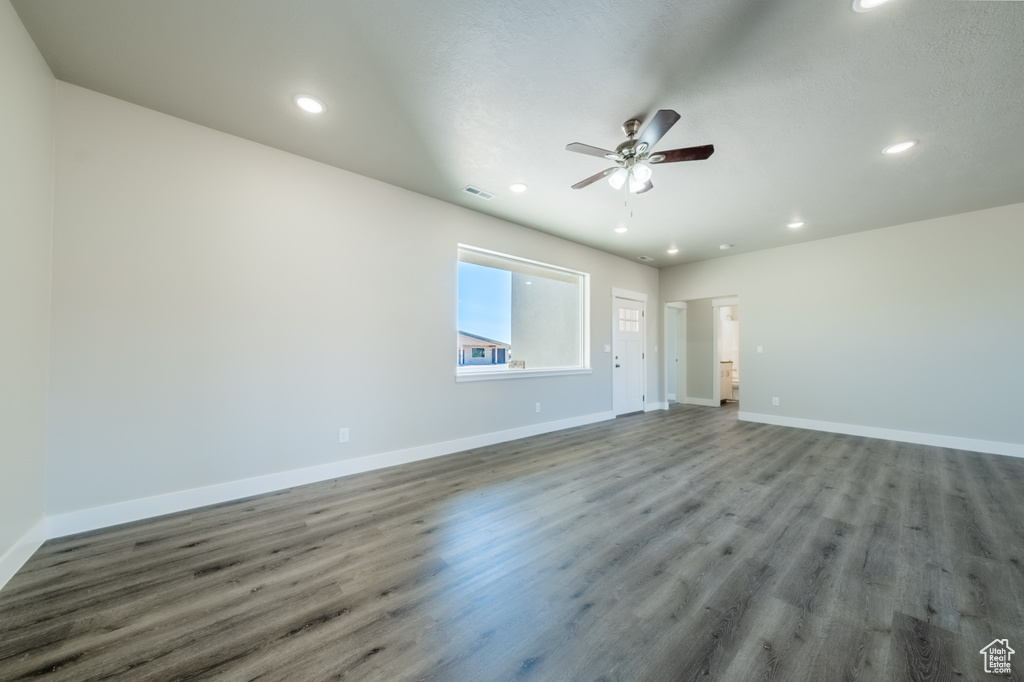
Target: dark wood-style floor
678	545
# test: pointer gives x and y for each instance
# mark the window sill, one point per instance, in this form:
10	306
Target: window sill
521	373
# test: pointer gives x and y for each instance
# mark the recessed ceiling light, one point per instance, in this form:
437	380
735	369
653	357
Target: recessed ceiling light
795	225
867	5
621	229
899	147
726	247
673	251
518	187
310	104
529	282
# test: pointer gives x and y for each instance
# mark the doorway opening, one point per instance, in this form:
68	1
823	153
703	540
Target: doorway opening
675	352
726	347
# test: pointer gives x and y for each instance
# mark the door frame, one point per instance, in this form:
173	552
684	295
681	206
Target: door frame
681	391
641	298
716	330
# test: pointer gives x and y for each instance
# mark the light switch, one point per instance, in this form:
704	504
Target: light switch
760	349
608	348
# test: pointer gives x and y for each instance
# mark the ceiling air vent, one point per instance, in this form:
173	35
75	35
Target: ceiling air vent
477	192
646	259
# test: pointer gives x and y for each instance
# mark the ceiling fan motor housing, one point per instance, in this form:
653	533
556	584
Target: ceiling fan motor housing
627	149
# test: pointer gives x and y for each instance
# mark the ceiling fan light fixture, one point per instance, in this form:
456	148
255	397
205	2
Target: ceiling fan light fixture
635	185
310	104
618	178
642	172
899	147
867	5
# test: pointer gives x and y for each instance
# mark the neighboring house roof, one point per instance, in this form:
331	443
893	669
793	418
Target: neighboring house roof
473	337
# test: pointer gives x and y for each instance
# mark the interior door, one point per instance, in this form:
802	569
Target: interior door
628	357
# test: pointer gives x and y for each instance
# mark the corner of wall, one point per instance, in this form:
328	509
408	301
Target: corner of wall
16	557
27	136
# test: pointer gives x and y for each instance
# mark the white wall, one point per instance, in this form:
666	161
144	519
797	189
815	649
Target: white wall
889	329
222	308
26	205
543	309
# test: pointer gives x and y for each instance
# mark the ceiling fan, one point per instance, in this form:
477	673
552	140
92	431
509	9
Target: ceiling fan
633	158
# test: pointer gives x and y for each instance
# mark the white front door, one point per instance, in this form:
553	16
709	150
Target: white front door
628	355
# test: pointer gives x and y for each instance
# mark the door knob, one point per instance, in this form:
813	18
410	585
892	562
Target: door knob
617	365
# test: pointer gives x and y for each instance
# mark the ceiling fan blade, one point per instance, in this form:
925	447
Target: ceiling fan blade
686	154
648	186
595	177
657	127
592	151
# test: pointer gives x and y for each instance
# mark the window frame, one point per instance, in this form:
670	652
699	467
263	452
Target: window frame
584	368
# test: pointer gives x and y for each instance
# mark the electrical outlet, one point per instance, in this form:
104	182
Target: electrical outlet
775	401
760	349
537	409
343	436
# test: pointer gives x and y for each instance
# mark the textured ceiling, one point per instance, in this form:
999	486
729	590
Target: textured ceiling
798	97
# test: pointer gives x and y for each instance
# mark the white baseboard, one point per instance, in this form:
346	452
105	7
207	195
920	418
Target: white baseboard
706	402
135	510
953	442
14	558
651	407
